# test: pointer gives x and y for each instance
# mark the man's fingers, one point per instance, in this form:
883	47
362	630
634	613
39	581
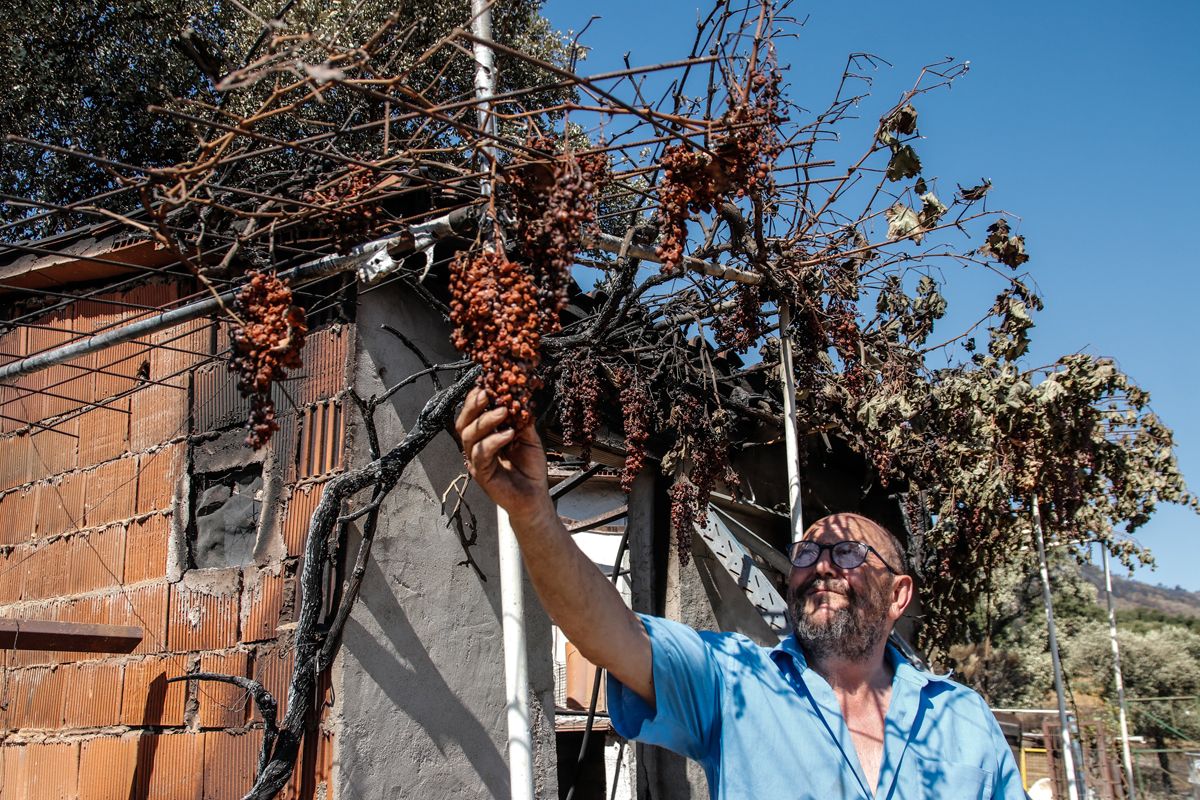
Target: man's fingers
474	425
482	427
484	454
527	435
472	406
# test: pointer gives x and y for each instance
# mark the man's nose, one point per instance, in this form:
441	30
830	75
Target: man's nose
825	565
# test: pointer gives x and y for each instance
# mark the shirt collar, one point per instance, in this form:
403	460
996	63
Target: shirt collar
789	648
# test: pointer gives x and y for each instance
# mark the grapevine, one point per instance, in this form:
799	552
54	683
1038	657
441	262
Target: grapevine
637	410
579	390
494	308
349	220
553	204
265	347
702	443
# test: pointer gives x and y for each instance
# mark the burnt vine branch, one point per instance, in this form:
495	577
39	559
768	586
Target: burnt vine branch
381	476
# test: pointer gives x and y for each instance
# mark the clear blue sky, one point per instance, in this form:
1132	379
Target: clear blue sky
1085	118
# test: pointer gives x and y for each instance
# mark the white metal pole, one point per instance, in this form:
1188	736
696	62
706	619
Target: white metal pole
485	78
791	439
516	676
1127	755
1068	756
512	606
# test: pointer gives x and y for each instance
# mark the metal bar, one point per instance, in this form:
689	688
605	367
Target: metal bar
562	487
613	244
787	375
1063	722
516	675
1126	755
599	519
21	634
328	265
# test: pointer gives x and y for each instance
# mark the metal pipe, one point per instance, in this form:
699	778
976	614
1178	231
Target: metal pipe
322	267
1126	754
516	677
791	440
516	673
1068	755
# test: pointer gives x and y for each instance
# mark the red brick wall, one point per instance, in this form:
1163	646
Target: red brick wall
86	503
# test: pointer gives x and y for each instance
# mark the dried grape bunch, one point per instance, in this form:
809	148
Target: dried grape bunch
694	181
702	446
685	499
348	219
690	183
265	347
494	308
553	204
847	339
637	410
579	393
744	324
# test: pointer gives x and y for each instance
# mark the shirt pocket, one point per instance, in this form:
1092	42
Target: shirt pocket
945	780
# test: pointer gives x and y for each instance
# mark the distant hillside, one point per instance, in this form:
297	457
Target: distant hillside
1132	594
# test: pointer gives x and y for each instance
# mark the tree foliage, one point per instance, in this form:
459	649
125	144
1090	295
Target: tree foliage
1006	656
87	72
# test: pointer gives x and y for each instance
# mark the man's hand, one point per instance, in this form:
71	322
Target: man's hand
509	465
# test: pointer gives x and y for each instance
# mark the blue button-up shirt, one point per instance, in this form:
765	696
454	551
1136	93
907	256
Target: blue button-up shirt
764	725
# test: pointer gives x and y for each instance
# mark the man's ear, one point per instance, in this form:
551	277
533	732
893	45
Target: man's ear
902	594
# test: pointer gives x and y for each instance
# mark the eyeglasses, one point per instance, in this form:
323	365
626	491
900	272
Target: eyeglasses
847	554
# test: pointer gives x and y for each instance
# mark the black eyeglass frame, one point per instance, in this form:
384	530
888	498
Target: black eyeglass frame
861	550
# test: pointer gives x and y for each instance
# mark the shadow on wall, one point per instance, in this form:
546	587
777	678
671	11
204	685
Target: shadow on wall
147	746
382	362
402	668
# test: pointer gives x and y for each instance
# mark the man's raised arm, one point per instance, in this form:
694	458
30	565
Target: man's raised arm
510	465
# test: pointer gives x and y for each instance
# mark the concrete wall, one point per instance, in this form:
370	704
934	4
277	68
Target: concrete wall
420	679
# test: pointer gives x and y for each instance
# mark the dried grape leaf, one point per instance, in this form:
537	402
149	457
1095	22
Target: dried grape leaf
975	192
932	210
1004	247
903	164
903	222
903	120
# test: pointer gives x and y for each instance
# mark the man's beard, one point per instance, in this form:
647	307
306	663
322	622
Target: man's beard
851	632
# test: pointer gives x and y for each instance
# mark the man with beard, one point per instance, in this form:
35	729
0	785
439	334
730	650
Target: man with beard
832	712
